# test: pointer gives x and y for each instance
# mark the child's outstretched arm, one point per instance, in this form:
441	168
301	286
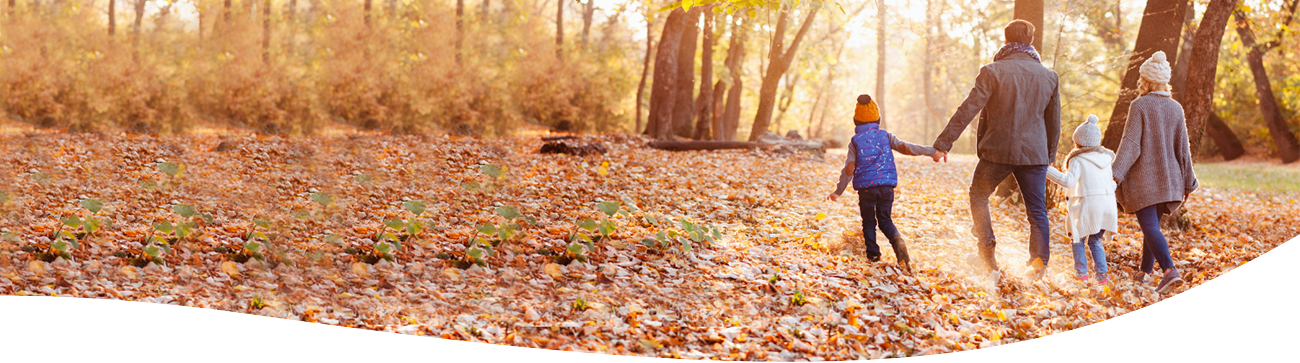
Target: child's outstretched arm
846	174
907	148
1067	179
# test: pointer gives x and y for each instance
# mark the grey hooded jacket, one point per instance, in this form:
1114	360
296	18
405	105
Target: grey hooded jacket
1019	105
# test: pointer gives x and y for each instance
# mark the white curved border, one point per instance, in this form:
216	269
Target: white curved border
1249	314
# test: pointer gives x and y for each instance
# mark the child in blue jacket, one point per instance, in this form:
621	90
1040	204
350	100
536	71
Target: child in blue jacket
870	166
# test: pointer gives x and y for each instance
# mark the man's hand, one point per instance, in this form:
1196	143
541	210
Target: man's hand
940	155
833	197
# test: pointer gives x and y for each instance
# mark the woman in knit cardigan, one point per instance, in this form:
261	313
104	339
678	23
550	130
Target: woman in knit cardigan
1153	167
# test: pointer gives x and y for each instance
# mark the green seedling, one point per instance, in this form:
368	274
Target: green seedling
685	239
322	201
405	229
580	304
497	175
254	242
487	237
174	172
42	178
798	299
256	302
62	241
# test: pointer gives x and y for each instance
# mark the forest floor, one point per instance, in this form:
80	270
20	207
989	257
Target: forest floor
787	279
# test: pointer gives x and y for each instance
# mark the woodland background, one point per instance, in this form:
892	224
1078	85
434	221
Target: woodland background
493	67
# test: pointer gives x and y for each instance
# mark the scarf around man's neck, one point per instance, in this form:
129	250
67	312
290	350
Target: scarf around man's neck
1012	48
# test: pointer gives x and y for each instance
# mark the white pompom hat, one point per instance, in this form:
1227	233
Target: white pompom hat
1156	69
1088	133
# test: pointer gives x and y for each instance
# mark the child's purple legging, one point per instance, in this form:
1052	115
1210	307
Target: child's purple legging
1154	246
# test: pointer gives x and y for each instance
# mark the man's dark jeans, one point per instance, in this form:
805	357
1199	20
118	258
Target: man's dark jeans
1033	186
876	205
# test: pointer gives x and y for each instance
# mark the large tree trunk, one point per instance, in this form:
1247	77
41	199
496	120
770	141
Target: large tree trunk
704	102
663	90
684	109
1202	66
779	60
881	21
1287	147
735	57
266	31
1160	30
483	11
1032	11
645	70
1229	145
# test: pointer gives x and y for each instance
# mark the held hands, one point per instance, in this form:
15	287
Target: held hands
940	155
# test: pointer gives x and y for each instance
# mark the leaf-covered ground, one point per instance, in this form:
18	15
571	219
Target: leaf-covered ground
784	282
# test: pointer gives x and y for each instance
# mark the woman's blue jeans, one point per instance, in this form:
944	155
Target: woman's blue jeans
1154	246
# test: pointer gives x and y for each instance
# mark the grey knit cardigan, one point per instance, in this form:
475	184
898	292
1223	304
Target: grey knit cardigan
1154	162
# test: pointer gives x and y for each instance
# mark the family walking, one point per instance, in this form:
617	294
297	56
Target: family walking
1018	102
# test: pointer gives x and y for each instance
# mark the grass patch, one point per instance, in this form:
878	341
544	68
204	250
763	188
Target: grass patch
1277	179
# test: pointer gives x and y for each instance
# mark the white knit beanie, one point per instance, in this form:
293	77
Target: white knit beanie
1156	69
1088	134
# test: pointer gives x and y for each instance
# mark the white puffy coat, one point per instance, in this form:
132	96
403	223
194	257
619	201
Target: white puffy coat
1091	188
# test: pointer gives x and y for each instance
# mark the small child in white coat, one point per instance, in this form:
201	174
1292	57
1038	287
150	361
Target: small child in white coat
1092	208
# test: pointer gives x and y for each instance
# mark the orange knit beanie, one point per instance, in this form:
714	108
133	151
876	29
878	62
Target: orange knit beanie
866	111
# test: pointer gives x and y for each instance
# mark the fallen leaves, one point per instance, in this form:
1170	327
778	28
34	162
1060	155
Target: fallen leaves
554	271
730	300
230	268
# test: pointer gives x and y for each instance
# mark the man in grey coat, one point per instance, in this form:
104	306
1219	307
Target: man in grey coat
1019	106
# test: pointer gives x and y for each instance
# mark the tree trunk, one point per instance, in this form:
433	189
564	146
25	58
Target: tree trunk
266	31
684	108
780	59
1229	145
112	17
460	30
1178	80
715	124
225	14
812	132
735	57
1160	30
1202	66
785	100
881	21
704	103
1287	147
588	11
645	70
663	90
1032	11
559	29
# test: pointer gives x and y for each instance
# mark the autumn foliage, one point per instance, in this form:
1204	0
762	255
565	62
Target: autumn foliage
729	255
324	64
